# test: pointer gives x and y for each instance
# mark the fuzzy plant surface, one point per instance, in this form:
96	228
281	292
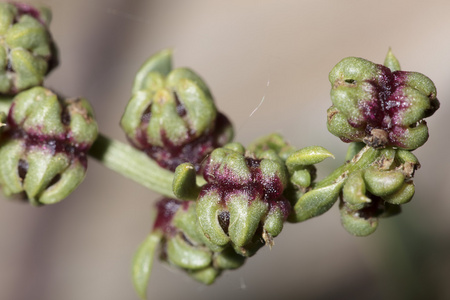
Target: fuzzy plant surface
221	201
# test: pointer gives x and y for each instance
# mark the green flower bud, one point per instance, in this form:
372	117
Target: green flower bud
171	115
380	106
45	144
181	244
242	200
27	51
356	223
354	191
377	191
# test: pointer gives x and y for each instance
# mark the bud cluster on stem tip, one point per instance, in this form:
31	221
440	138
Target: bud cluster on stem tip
171	115
242	202
27	50
43	151
181	244
377	191
379	106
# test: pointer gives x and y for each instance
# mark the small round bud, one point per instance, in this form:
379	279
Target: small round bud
243	194
45	144
171	115
28	52
378	106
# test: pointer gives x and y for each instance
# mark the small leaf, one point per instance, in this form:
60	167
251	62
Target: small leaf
307	156
143	261
316	202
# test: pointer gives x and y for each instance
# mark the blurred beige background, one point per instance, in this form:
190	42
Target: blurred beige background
281	51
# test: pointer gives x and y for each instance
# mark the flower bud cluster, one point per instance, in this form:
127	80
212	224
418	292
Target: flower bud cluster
43	151
378	106
377	191
242	202
171	115
184	245
27	51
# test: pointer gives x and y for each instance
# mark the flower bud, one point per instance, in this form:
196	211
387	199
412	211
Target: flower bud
171	115
28	52
181	244
45	144
378	106
243	195
377	191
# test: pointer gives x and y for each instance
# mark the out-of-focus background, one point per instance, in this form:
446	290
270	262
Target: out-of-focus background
279	51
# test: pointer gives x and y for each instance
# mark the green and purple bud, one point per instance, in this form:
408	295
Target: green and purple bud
242	201
380	106
171	115
177	237
44	145
27	51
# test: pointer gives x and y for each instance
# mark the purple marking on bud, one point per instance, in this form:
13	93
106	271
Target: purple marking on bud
194	150
26	9
167	208
63	143
282	204
388	99
226	183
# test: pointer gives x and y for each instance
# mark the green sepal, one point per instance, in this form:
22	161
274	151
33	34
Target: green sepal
274	142
184	255
143	261
83	127
67	183
184	182
357	225
236	147
403	195
208	210
354	191
30	70
206	276
160	62
274	222
39	108
245	215
134	111
391	62
273	168
383	183
301	178
29	34
42	168
228	259
229	162
165	119
11	153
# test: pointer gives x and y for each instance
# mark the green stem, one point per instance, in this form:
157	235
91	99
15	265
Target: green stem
361	160
132	164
